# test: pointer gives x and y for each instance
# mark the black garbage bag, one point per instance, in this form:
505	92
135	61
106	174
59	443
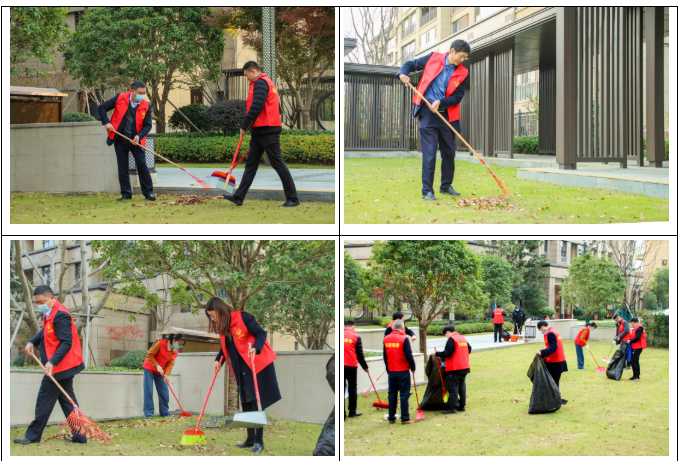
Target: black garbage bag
325	445
617	363
505	334
433	399
545	395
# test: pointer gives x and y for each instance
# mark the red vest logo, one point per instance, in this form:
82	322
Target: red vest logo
239	333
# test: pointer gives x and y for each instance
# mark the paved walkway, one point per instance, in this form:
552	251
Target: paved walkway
478	342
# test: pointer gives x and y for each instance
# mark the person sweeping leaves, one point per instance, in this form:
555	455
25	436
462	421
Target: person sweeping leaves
263	117
353	356
581	341
443	85
132	118
238	329
398	359
157	368
62	357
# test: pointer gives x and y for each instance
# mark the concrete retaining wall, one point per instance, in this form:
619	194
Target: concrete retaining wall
373	339
563	327
376	367
600	334
306	395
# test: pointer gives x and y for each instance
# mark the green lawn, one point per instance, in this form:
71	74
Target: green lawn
381	191
160	437
34	208
226	166
603	416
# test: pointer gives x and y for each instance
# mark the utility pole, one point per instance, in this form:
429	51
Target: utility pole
268	36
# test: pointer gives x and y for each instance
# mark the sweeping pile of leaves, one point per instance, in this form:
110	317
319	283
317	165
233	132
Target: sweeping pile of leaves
486	203
183	200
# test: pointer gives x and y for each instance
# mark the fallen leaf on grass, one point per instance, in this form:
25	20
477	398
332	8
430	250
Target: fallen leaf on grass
431	220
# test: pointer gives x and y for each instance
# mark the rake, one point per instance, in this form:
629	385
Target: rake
176	399
206	186
500	183
194	436
420	414
77	422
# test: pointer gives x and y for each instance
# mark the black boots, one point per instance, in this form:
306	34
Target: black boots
254	440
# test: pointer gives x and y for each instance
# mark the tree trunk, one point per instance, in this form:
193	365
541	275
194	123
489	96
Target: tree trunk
85	298
233	397
26	289
423	340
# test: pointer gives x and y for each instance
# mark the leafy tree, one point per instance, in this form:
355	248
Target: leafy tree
34	33
650	301
162	46
353	281
527	285
304	45
593	283
660	286
498	277
127	335
434	276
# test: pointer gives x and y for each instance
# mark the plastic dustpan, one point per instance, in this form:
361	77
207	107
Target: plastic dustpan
218	180
247	420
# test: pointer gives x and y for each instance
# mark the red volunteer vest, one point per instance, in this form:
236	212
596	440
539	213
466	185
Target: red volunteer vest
74	357
120	109
558	355
642	344
393	344
163	357
350	340
620	327
498	316
578	341
242	338
270	115
433	68
461	357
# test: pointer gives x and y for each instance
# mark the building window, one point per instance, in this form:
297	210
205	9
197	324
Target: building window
48	243
563	250
408	26
408	52
78	16
428	15
428	38
455	9
405	9
525	86
197	96
460	24
77	270
545	247
389	58
47	273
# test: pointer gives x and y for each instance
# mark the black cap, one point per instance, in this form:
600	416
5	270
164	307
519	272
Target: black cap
616	314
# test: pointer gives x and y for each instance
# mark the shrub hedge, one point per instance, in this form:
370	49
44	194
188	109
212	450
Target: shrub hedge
317	149
19	361
195	112
133	359
526	144
656	326
78	117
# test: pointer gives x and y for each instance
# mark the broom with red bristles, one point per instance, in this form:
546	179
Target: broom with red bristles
184	413
77	422
227	177
379	403
194	436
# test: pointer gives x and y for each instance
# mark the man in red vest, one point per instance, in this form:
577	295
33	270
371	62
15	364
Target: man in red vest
353	355
398	359
638	341
622	335
61	355
553	354
498	320
263	117
581	341
443	84
132	118
456	352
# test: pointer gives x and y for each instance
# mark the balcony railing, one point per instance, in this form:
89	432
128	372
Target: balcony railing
408	30
428	17
408	57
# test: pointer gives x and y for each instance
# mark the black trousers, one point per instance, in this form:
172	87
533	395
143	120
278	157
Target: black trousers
253	435
455	383
351	380
635	362
270	144
518	328
399	381
497	332
48	395
556	378
122	147
434	133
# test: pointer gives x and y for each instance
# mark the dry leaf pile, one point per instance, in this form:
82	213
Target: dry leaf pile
486	203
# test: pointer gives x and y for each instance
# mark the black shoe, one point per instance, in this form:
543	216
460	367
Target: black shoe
257	448
289	203
460	408
627	368
71	440
449	412
429	196
233	199
24	441
124	198
150	197
564	402
245	444
149	417
358	413
634	378
449	191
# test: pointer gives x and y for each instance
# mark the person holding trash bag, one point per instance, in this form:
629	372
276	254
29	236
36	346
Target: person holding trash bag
498	321
581	341
238	329
638	341
353	355
157	368
518	317
398	359
553	354
622	334
457	367
399	316
62	357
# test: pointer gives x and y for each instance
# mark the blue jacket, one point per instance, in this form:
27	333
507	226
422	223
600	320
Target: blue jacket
106	106
419	64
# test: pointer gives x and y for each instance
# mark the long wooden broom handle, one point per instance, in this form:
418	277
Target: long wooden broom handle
55	381
148	150
253	370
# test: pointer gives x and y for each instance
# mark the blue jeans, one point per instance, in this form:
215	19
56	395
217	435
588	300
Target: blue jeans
399	381
162	390
579	355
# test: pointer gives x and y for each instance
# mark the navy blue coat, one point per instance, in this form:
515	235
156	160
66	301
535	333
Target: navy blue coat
106	106
62	326
267	380
419	64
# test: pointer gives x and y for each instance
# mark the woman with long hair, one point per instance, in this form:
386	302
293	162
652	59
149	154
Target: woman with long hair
237	330
158	366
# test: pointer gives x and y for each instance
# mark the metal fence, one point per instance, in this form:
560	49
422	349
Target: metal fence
526	124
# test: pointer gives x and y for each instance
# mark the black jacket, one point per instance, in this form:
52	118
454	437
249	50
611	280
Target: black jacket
449	349
553	367
637	335
360	356
62	326
267	380
389	329
257	104
519	316
106	106
620	337
407	350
